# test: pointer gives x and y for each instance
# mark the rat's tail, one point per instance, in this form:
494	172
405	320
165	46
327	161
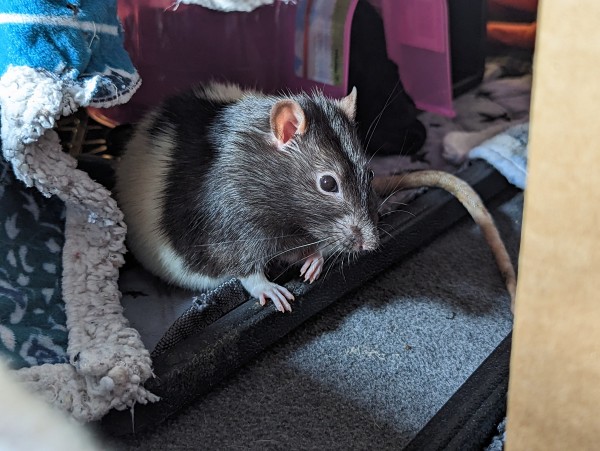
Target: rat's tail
470	200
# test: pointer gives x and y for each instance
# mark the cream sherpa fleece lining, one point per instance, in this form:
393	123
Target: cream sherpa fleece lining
108	361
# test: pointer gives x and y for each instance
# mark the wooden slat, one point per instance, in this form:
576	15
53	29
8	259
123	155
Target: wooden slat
554	390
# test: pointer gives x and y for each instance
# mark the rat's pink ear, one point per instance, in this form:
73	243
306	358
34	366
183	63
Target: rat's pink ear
348	104
287	119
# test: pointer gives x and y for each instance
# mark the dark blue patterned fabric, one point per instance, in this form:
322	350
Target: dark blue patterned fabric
32	314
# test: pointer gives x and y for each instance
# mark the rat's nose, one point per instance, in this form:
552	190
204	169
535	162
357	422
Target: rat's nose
357	239
363	239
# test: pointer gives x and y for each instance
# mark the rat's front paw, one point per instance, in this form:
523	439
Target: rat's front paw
260	287
278	294
313	265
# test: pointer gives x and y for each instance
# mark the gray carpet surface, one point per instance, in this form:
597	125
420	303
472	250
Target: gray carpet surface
369	371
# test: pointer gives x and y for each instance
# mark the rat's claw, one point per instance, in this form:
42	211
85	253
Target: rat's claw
312	267
258	286
305	266
280	295
284	295
278	304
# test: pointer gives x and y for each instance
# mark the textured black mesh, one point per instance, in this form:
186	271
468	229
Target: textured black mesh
205	309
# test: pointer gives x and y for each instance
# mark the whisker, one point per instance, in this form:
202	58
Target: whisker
378	117
333	257
391	226
269	258
304	257
374	153
248	240
342	268
400	152
396	211
394	191
403	144
295	248
333	254
341	262
388	233
387	198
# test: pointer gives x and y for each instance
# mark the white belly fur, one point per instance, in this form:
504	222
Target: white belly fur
140	181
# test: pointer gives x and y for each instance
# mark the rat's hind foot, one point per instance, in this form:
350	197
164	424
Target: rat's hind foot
313	265
260	287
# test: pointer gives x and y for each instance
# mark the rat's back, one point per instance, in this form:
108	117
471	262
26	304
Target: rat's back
159	171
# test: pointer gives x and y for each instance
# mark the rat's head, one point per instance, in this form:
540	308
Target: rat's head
332	199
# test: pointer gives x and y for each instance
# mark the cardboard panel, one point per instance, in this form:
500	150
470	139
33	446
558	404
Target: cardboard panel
554	391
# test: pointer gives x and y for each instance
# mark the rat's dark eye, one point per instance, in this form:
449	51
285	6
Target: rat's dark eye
328	184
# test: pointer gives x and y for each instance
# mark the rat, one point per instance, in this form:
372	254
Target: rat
218	181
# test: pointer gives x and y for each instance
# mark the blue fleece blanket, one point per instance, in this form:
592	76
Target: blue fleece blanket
78	41
507	152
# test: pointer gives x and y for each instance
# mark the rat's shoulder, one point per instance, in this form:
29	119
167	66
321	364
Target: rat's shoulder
202	103
222	92
192	110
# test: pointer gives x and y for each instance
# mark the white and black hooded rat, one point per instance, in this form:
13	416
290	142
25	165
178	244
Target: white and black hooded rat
217	182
